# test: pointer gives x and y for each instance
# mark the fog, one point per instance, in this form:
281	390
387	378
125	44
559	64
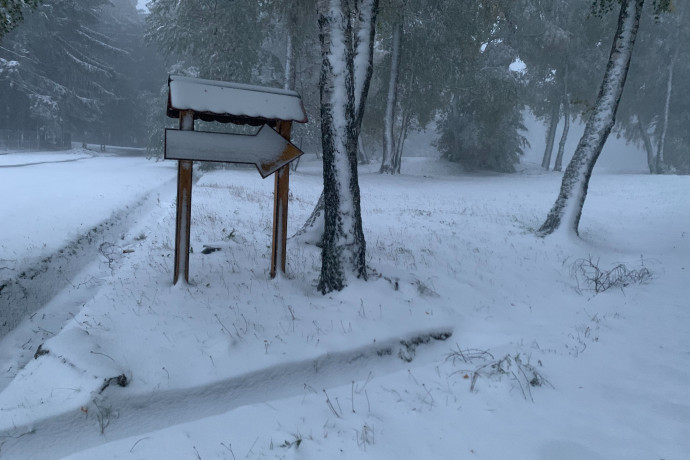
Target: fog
477	90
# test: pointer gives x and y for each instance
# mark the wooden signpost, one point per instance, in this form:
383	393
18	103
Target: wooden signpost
269	150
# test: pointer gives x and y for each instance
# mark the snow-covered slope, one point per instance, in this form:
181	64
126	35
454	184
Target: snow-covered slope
472	338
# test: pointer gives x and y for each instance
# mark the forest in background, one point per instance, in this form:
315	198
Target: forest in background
95	71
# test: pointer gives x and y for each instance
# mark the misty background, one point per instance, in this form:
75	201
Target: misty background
487	84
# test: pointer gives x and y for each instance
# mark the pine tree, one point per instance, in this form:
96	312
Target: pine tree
221	40
59	68
12	13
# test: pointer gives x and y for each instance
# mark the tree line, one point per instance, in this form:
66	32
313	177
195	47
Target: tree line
84	67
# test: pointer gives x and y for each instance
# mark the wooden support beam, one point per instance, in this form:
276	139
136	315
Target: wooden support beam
280	207
184	206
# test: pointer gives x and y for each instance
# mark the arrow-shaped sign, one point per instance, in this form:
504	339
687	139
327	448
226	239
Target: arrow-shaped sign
267	149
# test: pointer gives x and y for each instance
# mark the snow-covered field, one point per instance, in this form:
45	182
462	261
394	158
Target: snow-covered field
473	339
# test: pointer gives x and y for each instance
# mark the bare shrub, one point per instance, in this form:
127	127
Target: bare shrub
487	366
590	276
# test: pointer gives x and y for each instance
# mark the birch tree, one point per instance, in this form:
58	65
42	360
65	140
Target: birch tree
389	147
347	58
567	210
60	67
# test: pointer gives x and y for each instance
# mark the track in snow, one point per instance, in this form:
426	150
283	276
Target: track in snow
119	413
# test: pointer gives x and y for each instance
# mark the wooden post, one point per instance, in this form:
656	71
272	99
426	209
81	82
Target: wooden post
280	207
184	206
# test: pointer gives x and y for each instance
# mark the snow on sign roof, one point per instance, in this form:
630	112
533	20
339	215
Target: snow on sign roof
233	102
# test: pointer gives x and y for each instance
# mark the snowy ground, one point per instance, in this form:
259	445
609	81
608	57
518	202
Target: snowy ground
59	208
472	339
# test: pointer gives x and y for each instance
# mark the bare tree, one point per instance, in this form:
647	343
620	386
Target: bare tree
389	147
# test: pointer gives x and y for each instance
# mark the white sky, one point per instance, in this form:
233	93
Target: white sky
141	5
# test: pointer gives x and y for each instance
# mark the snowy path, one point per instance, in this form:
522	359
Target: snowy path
39	280
50	204
66	271
46	242
23	165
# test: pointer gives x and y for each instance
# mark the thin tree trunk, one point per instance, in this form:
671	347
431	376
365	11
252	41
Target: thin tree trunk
551	135
389	117
290	64
644	134
365	31
567	210
558	166
344	248
404	126
669	88
361	152
400	143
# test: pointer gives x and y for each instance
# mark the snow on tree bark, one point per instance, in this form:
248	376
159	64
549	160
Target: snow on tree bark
290	65
567	210
551	135
659	168
646	141
400	142
343	250
387	162
558	166
364	32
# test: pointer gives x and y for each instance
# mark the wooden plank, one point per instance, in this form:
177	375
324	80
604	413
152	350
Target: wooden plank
184	206
280	208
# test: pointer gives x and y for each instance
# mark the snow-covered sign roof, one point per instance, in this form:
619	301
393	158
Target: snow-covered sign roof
233	102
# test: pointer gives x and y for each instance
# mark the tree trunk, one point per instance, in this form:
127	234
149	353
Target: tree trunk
389	118
551	135
290	64
567	210
644	134
404	126
361	152
344	248
400	143
558	166
566	124
364	33
669	88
